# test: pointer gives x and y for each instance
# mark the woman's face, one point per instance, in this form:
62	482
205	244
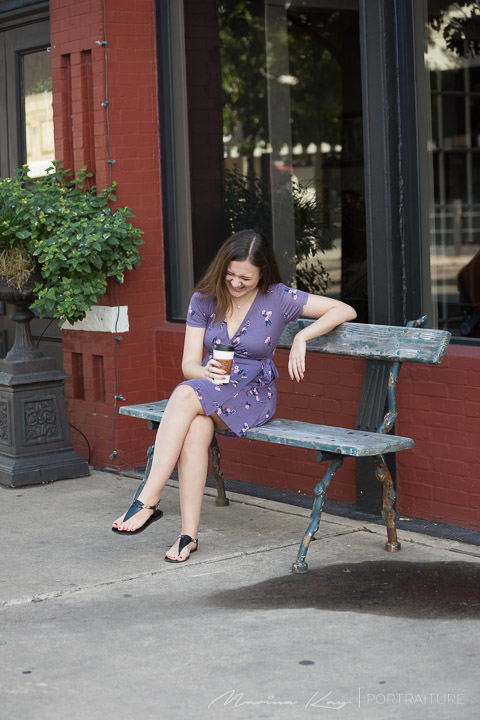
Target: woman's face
242	277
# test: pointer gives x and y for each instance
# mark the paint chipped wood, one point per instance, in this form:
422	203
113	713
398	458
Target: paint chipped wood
375	342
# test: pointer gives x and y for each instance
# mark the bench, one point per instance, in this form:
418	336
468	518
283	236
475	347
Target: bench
390	344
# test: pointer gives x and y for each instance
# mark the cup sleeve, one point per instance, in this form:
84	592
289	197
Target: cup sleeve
198	311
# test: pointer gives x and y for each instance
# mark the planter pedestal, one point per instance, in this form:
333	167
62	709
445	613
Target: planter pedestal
35	441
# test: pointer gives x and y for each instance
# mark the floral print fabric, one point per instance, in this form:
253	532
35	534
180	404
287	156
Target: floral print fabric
250	398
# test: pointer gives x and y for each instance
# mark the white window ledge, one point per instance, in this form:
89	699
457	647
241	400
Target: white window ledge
102	318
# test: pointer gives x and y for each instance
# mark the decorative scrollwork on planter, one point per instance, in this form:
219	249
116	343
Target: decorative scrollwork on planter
41	423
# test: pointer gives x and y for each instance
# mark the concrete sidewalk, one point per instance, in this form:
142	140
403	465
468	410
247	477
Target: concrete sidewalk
93	623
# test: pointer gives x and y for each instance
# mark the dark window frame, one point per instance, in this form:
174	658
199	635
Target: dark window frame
15	13
167	165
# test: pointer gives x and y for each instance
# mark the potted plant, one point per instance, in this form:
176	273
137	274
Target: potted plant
60	241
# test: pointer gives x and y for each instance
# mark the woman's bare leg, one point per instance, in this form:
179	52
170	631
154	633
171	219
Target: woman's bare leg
192	473
183	407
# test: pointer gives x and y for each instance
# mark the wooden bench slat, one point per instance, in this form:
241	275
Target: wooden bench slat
146	411
355	443
376	342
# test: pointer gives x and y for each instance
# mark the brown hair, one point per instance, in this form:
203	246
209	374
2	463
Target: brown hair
243	245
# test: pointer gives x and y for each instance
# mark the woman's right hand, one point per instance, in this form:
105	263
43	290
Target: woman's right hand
193	352
214	372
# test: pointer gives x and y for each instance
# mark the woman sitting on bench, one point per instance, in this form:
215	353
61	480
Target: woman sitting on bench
241	301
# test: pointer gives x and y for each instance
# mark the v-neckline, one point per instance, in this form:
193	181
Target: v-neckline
242	322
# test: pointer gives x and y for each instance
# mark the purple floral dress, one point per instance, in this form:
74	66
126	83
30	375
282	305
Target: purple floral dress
250	398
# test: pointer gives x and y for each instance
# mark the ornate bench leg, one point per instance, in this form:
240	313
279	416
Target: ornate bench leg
147	472
388	510
300	566
222	499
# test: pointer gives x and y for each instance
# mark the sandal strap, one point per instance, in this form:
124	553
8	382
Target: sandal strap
184	541
136	506
149	507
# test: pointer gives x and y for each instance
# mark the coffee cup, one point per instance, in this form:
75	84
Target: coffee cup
224	355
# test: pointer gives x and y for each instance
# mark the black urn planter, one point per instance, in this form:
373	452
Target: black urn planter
23	348
35	441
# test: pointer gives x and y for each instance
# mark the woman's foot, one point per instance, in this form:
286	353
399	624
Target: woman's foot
138	516
181	550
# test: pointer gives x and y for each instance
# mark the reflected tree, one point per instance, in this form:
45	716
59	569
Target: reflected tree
459	24
244	81
248	204
315	62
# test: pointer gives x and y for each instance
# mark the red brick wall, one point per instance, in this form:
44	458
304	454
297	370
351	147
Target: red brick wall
440	408
78	74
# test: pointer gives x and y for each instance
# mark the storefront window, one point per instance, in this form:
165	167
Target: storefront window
292	138
262	127
453	63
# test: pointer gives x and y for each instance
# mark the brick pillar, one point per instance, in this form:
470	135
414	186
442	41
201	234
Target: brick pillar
83	138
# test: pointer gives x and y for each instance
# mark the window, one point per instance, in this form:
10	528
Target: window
265	122
453	63
38	112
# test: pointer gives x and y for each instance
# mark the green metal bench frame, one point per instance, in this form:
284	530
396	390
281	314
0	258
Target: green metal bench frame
391	344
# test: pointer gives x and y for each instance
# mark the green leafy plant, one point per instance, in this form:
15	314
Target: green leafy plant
58	225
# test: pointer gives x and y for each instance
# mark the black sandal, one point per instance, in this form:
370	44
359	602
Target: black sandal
184	541
134	508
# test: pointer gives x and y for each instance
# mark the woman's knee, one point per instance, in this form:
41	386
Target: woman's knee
185	394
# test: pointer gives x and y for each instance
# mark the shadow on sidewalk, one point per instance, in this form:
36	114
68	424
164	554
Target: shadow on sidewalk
436	590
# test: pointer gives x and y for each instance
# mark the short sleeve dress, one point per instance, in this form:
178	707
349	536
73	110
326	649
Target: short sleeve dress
250	398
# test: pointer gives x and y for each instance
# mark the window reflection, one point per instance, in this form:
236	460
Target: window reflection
454	130
453	62
38	112
293	146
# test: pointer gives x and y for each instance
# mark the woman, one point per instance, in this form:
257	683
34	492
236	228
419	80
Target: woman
240	301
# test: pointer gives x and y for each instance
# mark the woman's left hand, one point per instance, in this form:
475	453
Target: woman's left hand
296	359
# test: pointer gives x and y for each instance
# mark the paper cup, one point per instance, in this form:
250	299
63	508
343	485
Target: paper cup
224	355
